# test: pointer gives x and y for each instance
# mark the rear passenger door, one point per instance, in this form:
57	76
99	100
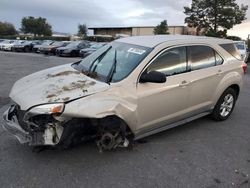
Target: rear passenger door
205	65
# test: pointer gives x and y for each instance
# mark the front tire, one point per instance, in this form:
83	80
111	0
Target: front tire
73	54
225	105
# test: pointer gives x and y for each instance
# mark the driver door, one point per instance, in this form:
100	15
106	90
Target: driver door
163	103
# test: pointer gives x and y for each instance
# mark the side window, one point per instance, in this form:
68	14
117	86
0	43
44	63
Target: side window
230	48
218	59
201	57
170	62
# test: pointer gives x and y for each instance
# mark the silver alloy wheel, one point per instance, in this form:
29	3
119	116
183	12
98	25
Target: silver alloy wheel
227	105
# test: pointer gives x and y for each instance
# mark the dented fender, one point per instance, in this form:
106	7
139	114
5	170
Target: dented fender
103	105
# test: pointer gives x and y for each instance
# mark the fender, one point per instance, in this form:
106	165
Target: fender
103	105
231	78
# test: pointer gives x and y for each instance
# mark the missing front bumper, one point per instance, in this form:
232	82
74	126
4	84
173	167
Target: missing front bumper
11	125
50	135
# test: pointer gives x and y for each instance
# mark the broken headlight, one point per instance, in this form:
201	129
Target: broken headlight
55	108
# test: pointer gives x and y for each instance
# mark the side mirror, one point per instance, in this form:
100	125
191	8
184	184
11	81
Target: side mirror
153	76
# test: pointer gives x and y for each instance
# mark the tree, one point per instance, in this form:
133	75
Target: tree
37	26
7	29
196	16
162	28
212	15
82	30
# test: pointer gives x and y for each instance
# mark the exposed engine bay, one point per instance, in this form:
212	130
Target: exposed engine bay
54	130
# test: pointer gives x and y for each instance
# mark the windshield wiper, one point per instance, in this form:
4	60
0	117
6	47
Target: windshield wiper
100	57
112	70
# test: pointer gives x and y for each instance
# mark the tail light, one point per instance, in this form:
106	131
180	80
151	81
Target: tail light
244	67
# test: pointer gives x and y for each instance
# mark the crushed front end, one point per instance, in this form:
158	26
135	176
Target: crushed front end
33	127
44	125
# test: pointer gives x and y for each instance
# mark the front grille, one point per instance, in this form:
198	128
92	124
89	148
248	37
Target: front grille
60	51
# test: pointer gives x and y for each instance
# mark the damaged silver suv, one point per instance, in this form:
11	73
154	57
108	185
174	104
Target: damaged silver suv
129	89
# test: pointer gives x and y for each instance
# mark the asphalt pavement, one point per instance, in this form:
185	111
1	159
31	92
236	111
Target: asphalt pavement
202	153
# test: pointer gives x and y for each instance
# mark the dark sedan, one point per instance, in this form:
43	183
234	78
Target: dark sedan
87	51
51	49
72	49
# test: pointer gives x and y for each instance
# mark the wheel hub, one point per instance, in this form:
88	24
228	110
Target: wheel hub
227	105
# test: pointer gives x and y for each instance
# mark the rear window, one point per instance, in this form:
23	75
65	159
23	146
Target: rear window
230	48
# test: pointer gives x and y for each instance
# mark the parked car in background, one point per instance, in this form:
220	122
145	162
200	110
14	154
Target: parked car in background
51	49
6	45
44	43
87	51
24	46
242	47
36	42
131	88
72	49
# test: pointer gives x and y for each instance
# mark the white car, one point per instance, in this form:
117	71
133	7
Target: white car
242	47
6	45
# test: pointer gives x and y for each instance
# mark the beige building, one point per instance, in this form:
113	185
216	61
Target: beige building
141	30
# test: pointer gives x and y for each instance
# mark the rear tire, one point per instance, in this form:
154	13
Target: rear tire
225	105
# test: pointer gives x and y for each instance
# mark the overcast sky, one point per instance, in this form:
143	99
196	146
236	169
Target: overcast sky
65	15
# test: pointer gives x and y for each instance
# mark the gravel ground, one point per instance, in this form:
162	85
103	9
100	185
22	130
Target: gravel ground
202	153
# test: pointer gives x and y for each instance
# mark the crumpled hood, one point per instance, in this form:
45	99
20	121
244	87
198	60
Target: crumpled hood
58	84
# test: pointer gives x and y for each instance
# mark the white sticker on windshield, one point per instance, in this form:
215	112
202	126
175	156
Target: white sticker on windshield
136	51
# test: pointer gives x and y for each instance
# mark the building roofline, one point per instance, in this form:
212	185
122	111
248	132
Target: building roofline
129	27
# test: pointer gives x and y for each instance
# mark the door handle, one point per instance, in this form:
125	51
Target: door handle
184	83
219	72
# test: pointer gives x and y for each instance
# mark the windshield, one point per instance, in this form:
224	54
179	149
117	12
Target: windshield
97	46
47	43
26	42
7	42
126	58
18	42
57	43
73	44
240	45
